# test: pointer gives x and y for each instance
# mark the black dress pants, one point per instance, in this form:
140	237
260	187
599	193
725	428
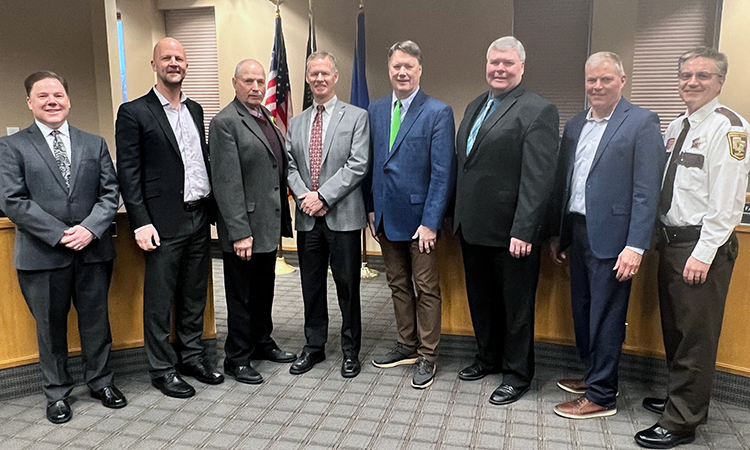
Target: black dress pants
501	291
248	286
316	249
177	269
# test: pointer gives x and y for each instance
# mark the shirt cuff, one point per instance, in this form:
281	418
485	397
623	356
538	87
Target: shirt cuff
143	228
635	249
704	252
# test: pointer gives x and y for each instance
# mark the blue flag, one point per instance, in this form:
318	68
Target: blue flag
359	96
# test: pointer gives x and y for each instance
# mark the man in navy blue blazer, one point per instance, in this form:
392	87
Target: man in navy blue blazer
604	206
407	192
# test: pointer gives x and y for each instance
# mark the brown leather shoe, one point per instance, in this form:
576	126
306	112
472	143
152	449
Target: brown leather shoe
573	385
583	408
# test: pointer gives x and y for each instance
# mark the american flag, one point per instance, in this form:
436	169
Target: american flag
278	95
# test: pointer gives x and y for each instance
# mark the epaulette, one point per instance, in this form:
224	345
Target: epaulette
734	120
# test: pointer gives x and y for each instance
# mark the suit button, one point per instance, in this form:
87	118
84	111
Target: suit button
276	188
274	166
278	210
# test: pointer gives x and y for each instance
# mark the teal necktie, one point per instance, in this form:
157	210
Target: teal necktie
488	108
395	123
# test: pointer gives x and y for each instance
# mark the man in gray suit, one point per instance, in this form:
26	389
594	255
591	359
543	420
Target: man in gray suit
328	146
249	167
58	185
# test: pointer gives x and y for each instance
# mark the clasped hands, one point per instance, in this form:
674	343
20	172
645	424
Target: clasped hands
77	237
312	205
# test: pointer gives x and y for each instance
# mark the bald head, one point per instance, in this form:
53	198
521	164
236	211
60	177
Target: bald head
250	83
169	63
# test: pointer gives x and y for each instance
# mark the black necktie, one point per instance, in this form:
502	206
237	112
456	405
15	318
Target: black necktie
665	200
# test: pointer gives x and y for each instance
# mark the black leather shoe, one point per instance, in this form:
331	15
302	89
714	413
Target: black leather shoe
305	362
172	385
59	411
351	367
243	373
110	396
275	355
202	372
655	404
506	394
473	372
658	437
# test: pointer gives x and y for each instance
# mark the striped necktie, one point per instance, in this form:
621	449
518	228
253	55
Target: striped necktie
488	108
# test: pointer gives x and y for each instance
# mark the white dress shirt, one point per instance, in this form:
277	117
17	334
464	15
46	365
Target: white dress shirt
64	130
197	185
329	106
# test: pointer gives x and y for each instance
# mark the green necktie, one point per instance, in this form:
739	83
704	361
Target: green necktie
395	123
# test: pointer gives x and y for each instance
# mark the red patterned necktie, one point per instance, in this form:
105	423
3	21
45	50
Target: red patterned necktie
316	148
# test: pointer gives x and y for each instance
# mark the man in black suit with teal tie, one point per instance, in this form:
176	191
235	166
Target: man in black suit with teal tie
506	149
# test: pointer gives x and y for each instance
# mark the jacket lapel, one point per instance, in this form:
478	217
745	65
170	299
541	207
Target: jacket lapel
415	109
463	129
252	125
41	146
496	115
618	117
336	115
76	142
161	118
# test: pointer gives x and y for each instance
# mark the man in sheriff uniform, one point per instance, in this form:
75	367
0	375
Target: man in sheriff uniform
701	202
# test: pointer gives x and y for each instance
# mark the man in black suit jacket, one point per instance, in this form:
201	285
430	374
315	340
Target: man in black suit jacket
162	165
58	185
506	149
249	166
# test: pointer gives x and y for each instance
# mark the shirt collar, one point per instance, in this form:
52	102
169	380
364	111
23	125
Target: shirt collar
329	105
701	114
163	100
64	129
405	103
254	112
590	116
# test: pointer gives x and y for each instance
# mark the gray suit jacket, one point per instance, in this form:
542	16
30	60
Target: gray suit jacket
346	149
34	196
250	194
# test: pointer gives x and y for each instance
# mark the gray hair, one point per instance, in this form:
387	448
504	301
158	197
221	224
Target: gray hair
238	67
508	42
599	57
318	55
722	63
408	47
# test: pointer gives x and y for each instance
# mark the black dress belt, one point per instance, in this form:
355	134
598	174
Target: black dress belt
194	205
680	235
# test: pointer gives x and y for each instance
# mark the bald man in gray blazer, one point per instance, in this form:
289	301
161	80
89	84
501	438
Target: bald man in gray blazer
328	146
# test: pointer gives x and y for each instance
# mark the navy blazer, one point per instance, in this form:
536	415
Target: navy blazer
622	189
412	184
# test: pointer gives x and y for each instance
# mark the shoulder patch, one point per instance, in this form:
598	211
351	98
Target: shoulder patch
733	119
737	144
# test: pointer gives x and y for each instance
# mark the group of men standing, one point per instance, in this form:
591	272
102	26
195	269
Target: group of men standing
397	168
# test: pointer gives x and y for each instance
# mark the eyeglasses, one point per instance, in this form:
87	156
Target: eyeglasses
700	76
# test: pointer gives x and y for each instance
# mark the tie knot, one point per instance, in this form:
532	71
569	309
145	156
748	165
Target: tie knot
55	133
686	123
321	108
398	103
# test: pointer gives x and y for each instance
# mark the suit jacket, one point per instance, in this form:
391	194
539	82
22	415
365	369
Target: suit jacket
251	197
149	165
34	196
412	184
344	165
503	186
623	185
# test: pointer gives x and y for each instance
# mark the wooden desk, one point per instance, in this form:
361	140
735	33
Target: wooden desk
554	319
18	329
